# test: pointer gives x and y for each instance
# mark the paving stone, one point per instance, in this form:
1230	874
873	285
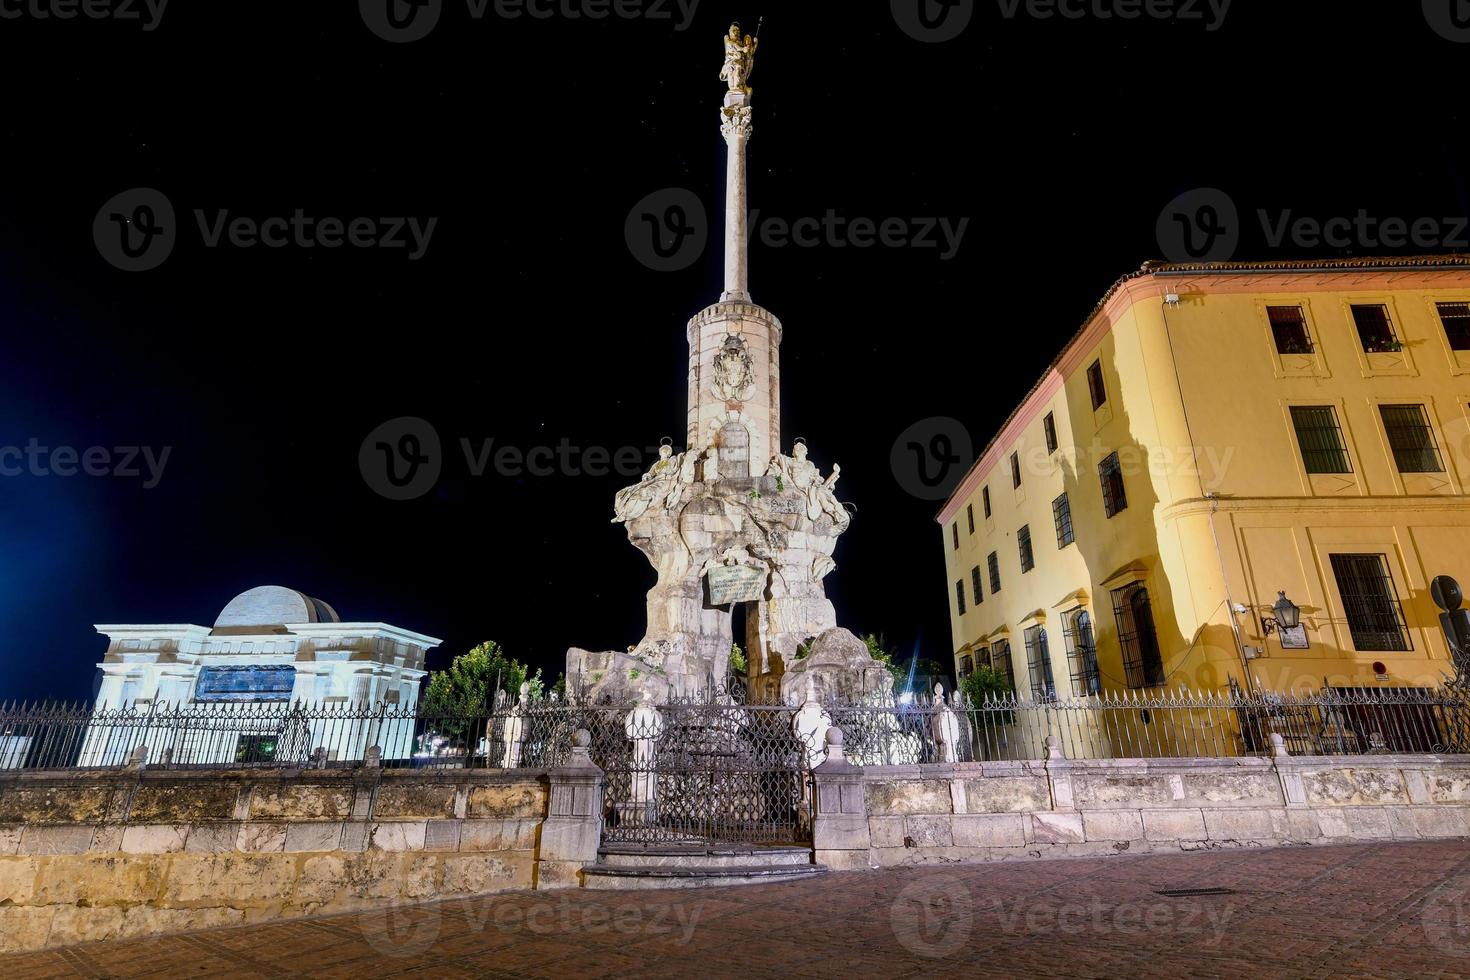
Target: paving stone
1383	909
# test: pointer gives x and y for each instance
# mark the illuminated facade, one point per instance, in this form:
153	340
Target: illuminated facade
1213	436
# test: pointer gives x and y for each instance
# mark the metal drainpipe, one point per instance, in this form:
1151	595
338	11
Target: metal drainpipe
1214	499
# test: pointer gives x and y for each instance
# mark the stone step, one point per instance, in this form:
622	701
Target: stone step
702	856
605	877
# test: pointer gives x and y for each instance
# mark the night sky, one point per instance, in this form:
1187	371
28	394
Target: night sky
528	319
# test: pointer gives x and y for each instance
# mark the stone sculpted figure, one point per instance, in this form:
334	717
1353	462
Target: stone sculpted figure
945	727
643	727
739	60
795	470
822	500
632	502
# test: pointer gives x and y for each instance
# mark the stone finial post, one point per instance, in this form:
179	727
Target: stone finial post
319	757
515	730
1278	746
1059	775
945	727
138	759
840	835
373	758
572	831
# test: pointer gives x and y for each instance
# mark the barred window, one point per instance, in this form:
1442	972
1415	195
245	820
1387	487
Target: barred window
1049	429
1000	660
1375	329
1095	385
994	562
985	499
1077	635
1023	544
959	596
1375	617
1110	472
1289	326
1061	515
1456	320
1320	439
1411	438
970	516
955	531
1143	665
1015	469
975	585
1038	662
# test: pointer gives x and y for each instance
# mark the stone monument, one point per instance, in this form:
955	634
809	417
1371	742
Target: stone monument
731	522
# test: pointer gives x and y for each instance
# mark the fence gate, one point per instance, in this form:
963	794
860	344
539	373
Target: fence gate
703	773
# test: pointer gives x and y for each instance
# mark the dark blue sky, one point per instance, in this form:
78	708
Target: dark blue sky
529	320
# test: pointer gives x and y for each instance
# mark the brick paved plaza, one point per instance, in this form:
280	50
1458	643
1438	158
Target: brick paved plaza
1375	910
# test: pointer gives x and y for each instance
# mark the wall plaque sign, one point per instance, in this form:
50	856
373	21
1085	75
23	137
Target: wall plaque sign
1295	638
736	583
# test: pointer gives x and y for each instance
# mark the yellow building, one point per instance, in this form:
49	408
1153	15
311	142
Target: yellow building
1215	435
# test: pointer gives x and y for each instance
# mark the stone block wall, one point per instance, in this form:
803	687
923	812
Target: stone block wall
87	856
987	811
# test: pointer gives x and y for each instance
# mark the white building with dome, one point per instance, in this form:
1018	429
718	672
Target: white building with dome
269	645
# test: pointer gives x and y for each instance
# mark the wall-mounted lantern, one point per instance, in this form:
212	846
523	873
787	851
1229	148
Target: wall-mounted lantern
1288	615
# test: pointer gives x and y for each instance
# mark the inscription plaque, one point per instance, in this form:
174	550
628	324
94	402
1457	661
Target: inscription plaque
736	583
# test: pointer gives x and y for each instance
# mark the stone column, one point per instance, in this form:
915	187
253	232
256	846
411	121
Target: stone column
736	128
840	821
572	830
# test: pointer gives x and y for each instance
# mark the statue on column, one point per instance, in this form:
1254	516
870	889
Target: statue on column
739	60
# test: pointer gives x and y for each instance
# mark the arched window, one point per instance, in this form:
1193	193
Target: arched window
1142	662
1038	662
1000	660
1081	652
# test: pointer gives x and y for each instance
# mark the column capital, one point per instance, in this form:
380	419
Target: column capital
735	123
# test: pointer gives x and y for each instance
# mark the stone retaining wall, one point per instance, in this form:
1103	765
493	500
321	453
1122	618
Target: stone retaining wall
986	811
86	856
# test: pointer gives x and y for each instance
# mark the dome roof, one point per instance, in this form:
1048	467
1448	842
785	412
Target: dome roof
273	605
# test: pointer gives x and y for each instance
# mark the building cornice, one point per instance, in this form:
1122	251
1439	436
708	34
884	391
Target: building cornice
309	630
1147	282
1435	503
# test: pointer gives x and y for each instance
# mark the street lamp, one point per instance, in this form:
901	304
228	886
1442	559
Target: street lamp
1288	615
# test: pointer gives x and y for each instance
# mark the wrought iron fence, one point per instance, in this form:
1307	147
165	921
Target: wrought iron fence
716	737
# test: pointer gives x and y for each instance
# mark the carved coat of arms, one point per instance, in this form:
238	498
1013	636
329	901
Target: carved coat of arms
734	372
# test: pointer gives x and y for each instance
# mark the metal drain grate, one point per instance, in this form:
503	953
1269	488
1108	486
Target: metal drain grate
1190	892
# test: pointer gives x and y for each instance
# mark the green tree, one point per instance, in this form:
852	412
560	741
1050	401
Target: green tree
986	684
738	665
467	688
